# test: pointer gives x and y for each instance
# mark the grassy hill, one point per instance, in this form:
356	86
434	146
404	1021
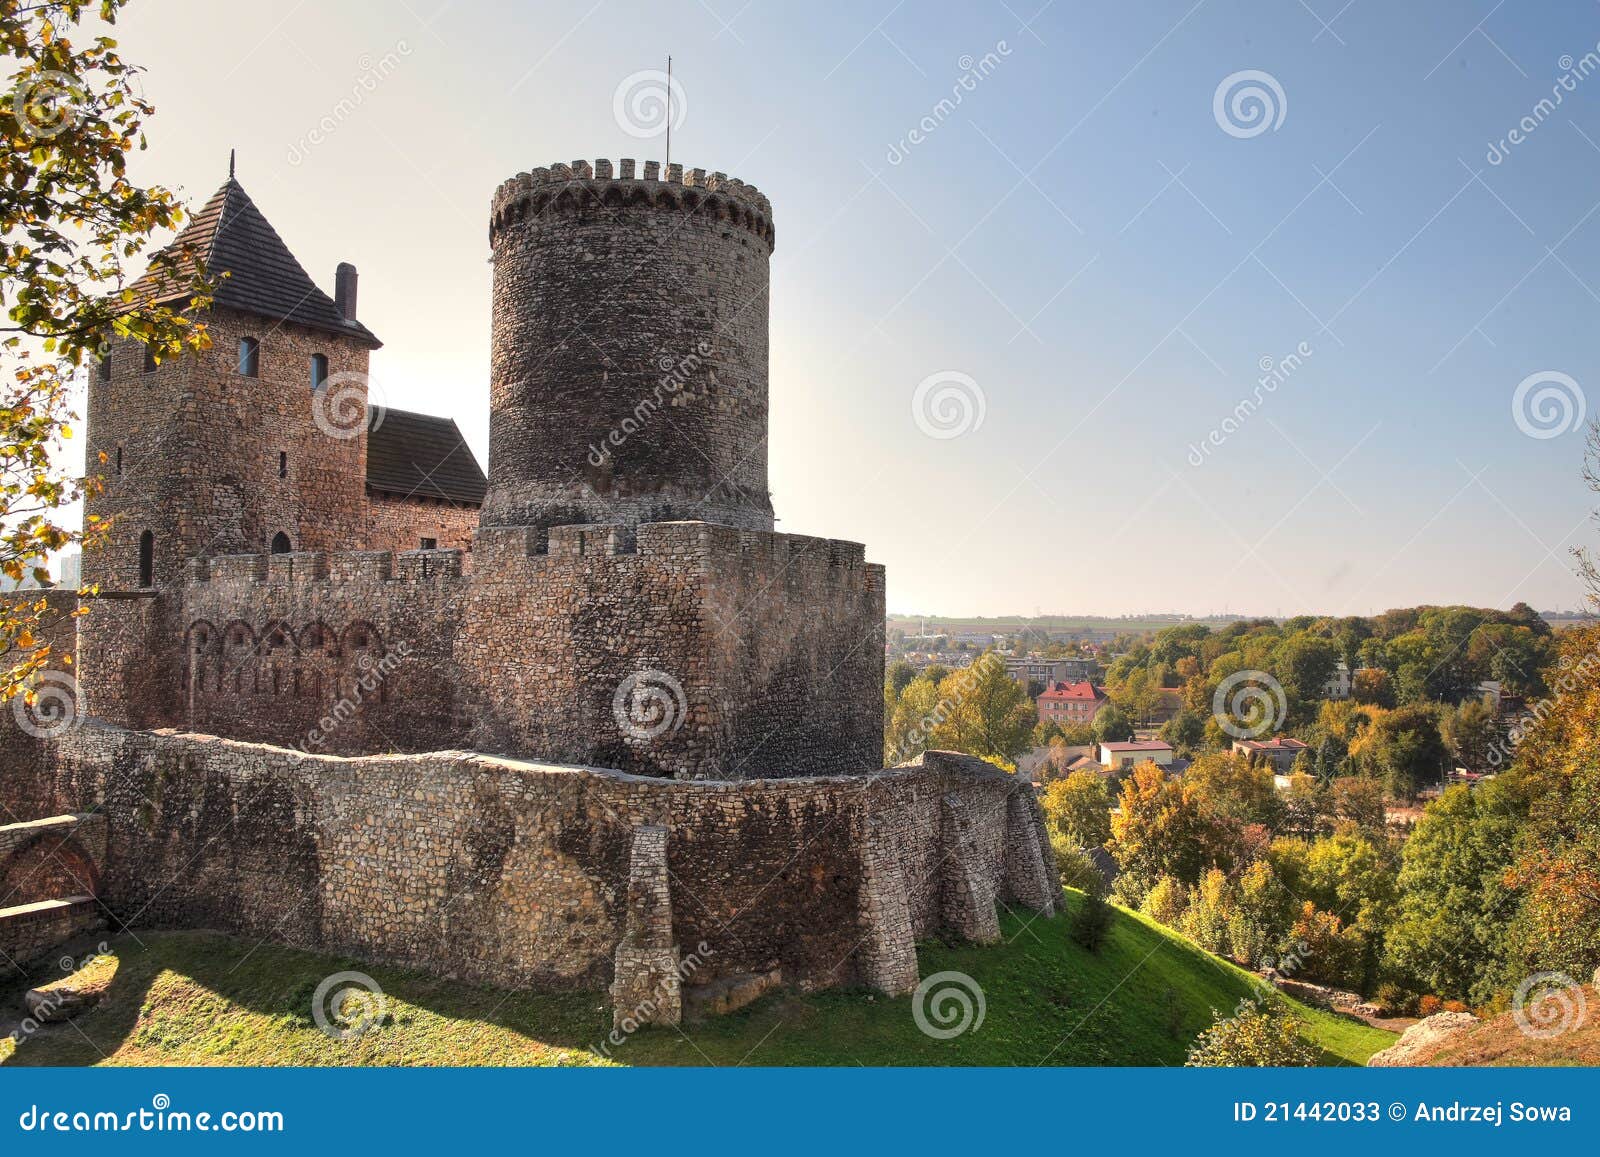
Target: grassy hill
187	998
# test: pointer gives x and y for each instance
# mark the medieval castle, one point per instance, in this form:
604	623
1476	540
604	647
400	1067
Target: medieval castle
342	690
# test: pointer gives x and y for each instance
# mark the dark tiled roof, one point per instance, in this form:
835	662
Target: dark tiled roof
421	456
231	236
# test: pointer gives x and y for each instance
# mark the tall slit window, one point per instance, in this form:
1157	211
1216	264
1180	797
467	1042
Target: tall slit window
147	559
149	359
319	370
283	463
249	357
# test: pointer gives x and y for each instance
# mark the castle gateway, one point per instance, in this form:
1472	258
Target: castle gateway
317	607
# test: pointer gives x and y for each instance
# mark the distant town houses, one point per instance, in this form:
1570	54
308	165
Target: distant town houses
1070	703
1114	756
922	660
1338	684
1027	669
1280	751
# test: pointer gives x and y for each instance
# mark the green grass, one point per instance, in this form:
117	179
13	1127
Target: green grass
201	998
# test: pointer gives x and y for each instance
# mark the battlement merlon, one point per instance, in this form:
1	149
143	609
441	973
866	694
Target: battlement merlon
540	189
504	545
327	566
494	545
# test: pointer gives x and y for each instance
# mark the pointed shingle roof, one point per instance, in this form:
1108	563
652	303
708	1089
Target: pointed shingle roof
230	235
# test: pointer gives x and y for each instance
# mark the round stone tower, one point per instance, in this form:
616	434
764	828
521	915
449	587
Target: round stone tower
629	352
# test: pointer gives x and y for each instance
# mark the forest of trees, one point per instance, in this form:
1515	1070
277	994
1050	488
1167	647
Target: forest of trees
1494	882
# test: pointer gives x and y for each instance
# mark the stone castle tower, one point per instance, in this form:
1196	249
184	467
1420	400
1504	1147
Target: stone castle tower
629	348
261	442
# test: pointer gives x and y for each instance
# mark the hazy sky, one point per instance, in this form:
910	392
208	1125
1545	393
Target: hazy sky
1090	246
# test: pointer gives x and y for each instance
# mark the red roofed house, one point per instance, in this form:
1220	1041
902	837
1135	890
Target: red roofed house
1070	703
1115	755
1280	750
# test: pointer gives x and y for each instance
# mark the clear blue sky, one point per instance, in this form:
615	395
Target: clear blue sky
1079	237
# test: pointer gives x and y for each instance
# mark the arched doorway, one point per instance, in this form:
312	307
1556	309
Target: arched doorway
280	543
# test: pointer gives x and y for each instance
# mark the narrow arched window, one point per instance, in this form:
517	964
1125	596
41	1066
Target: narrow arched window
105	365
280	543
147	559
249	357
319	370
149	359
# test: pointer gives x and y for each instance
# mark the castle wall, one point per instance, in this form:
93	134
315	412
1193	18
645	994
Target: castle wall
675	649
518	873
399	524
347	652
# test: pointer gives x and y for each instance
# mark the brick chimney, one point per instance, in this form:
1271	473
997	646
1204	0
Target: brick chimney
344	290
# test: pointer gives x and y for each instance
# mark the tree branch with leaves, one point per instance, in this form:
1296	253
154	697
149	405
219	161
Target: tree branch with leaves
72	225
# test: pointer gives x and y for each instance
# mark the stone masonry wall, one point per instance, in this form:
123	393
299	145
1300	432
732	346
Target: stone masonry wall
682	649
519	873
679	649
399	524
212	462
345	652
628	355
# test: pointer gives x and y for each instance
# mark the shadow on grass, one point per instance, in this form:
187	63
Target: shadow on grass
206	998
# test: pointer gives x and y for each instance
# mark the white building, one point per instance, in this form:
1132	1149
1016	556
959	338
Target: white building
1115	755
